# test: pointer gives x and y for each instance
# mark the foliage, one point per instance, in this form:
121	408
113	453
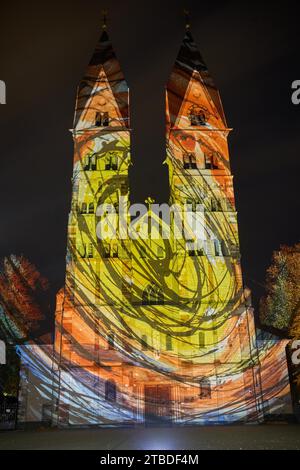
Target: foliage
23	302
280	307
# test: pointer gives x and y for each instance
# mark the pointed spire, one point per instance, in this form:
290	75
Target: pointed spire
103	51
189	58
103	82
188	61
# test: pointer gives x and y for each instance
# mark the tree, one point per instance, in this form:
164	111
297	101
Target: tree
23	299
280	307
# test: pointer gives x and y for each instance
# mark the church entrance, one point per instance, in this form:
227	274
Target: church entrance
158	404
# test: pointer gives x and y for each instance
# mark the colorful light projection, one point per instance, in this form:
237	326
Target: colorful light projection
156	329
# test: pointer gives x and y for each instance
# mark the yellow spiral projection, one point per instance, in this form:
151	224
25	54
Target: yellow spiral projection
152	327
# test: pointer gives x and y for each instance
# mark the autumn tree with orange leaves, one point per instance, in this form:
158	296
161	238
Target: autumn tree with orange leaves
23	299
280	307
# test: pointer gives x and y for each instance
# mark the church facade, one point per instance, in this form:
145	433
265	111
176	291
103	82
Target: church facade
154	324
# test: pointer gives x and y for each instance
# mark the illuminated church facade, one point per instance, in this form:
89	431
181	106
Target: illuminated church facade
157	327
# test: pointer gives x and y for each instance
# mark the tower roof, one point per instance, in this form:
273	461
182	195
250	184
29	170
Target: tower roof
188	61
189	58
103	51
103	88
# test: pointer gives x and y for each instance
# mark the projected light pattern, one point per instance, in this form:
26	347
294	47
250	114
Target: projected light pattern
156	329
24	299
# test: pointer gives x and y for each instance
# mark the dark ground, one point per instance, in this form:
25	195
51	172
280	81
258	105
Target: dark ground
264	437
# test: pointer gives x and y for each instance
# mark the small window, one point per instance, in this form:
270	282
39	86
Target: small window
114	251
189	162
224	248
208	162
153	295
86	165
169	346
111	162
192	205
106	251
110	390
198	118
90	163
217	246
90	251
102	119
216	205
93	163
107	163
98	119
83	208
211	162
201	339
114	162
105	119
91	208
205	388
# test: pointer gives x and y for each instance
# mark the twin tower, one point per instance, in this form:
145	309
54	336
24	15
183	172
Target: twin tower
153	329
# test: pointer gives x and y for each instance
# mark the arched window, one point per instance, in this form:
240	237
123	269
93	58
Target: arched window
110	390
83	208
86	165
205	388
111	340
102	119
189	162
90	250
224	248
216	205
93	163
153	295
201	339
111	161
217	246
198	117
91	208
90	163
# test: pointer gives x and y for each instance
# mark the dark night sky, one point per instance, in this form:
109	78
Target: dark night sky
251	51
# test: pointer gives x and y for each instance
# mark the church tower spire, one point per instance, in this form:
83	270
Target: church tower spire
190	71
103	90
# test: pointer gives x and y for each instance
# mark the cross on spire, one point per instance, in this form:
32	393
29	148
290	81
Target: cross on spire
149	201
187	19
104	19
